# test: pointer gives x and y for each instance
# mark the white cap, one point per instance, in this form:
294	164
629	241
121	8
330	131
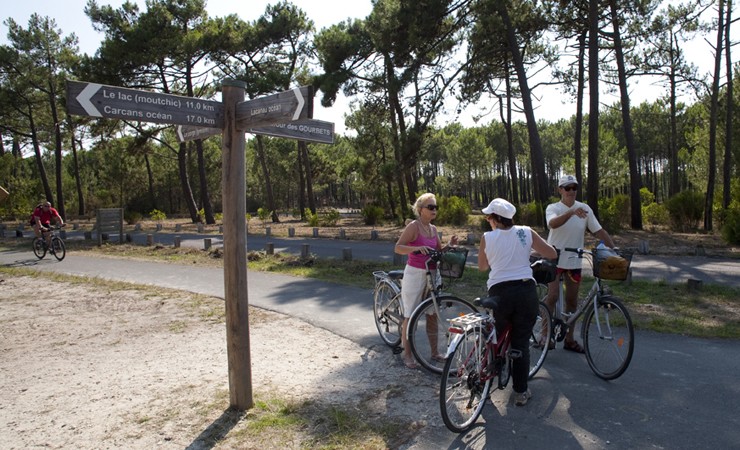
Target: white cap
565	180
500	207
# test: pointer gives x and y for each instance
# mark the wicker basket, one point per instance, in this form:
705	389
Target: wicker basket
452	263
611	265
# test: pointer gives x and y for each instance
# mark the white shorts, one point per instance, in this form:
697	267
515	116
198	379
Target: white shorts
414	288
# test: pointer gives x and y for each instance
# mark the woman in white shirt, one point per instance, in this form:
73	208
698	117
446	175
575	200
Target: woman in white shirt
505	252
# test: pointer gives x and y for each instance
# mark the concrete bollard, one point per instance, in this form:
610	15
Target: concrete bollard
206	244
149	239
315	232
268	231
347	254
200	228
643	247
270	248
342	234
159	227
88	235
305	250
291	232
374	235
178	227
178	240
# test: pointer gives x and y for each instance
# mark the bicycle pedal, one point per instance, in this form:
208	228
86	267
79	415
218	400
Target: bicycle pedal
397	350
515	353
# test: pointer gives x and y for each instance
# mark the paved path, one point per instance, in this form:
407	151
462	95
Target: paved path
679	392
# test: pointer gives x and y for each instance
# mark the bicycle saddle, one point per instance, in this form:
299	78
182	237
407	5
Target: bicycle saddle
488	302
395	274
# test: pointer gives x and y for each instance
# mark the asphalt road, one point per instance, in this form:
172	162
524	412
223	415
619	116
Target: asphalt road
678	393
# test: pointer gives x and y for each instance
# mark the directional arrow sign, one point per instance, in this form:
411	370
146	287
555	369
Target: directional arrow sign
99	100
309	130
300	130
283	107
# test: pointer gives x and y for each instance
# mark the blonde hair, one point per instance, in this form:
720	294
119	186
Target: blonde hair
420	201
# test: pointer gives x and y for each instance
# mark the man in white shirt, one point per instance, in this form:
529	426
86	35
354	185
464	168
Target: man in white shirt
568	221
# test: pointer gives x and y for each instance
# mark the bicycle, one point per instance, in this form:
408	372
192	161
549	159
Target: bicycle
607	330
427	326
40	247
477	356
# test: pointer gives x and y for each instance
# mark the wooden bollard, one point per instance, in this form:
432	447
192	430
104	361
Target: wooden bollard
643	247
206	243
305	250
220	229
137	227
268	231
75	226
159	227
347	254
178	239
291	232
178	227
374	235
694	285
342	234
63	234
88	235
270	248
200	228
149	239
315	232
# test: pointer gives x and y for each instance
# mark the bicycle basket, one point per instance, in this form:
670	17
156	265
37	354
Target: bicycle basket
544	271
611	265
452	263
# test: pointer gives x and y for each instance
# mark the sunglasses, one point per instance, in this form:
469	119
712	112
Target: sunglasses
431	207
570	188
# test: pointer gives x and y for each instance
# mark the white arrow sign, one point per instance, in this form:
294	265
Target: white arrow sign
84	99
301	102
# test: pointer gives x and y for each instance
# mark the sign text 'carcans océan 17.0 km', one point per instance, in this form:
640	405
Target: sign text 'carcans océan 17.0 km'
99	100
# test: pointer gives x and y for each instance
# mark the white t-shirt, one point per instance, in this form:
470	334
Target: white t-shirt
571	233
508	254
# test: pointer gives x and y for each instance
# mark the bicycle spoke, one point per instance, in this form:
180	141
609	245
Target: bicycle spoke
608	339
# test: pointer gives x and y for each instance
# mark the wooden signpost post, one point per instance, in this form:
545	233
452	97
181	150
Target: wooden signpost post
285	114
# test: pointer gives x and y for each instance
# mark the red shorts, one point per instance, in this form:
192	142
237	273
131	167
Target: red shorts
574	274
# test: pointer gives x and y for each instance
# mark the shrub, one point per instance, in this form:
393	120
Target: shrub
686	210
263	214
372	214
613	212
531	214
132	217
646	197
313	219
330	218
452	211
655	214
157	215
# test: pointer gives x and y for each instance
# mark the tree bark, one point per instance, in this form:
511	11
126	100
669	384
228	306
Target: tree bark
187	192
203	178
592	184
713	113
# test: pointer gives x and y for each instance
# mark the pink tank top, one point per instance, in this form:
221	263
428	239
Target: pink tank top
418	259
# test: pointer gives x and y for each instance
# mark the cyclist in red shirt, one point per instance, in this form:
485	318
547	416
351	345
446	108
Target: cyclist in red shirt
42	217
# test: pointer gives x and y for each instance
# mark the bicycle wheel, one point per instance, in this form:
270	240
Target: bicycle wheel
387	312
539	340
464	386
429	335
39	249
608	338
57	248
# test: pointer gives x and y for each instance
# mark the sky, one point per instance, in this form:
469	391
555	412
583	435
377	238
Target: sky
551	104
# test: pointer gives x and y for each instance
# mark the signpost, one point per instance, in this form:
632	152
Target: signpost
99	100
232	118
309	130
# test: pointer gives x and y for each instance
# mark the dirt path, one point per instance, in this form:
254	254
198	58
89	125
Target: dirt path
87	366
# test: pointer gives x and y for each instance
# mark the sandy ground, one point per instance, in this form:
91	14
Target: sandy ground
92	367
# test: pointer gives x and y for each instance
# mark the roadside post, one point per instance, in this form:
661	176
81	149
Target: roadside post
285	114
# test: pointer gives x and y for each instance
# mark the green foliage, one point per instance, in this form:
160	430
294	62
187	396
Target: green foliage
731	227
530	214
157	215
655	214
132	217
452	211
686	210
613	212
646	197
311	218
330	218
218	217
263	214
372	214
201	215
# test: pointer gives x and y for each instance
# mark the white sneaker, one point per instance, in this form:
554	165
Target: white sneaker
520	399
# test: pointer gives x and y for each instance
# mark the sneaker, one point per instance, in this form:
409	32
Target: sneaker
520	399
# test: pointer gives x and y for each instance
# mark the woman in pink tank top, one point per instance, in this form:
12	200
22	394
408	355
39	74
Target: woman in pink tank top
418	236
